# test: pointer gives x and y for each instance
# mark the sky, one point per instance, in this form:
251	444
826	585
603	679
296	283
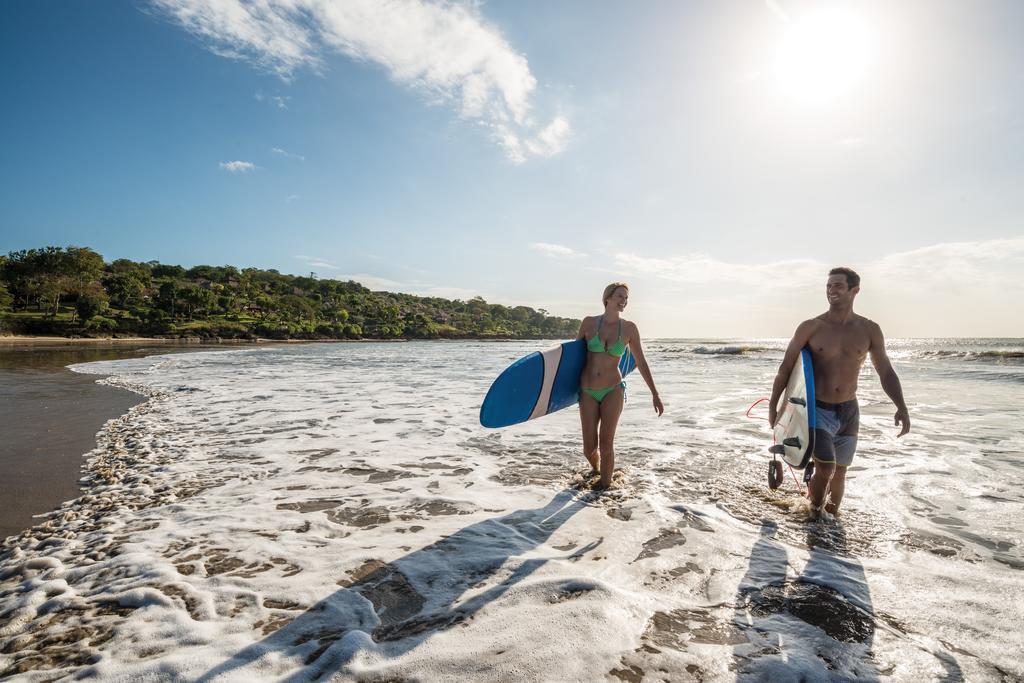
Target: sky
718	156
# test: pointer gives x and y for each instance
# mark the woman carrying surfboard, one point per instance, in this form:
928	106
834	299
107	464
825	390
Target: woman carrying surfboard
602	389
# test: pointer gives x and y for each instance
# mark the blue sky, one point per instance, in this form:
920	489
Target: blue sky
531	152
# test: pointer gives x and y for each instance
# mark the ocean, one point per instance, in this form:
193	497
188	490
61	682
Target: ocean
336	511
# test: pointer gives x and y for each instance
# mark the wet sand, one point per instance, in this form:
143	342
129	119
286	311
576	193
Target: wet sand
49	417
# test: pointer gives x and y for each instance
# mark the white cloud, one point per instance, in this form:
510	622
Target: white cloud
418	288
966	268
955	265
552	139
556	250
291	198
704	269
237	166
286	154
280	100
949	289
445	50
314	262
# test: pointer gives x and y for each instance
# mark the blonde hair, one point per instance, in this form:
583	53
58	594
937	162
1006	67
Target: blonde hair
610	289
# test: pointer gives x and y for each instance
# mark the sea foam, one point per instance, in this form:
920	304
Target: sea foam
336	511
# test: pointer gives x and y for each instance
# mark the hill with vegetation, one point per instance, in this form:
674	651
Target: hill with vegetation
72	291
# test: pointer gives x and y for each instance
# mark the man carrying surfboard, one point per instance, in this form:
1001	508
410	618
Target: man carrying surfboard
839	340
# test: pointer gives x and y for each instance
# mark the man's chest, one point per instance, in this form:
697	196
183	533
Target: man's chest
839	344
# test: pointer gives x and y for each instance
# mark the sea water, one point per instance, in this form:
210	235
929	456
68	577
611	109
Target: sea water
336	510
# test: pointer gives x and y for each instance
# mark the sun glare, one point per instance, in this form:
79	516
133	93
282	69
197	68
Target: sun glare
822	56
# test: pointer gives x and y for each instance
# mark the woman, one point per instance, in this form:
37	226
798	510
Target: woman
603	391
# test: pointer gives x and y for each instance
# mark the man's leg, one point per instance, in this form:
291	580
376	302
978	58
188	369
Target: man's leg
824	465
818	487
836	488
844	448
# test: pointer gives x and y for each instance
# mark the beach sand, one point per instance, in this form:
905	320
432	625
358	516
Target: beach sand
50	417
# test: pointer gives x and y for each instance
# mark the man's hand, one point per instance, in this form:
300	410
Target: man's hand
658	407
773	415
902	418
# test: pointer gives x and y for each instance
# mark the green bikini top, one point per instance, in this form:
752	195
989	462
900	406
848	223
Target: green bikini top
597	346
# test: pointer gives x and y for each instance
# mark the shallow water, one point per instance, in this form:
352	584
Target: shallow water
336	510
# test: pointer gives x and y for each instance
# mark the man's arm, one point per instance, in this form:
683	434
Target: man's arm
799	341
887	376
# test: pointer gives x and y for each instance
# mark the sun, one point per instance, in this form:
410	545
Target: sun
822	56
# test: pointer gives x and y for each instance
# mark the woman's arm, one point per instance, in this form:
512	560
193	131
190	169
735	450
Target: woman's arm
641	364
583	324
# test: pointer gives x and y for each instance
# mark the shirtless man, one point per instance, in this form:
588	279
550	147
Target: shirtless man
839	341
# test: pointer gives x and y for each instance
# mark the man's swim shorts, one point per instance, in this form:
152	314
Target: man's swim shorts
835	436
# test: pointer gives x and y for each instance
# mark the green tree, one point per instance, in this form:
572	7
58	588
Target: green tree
161	270
92	301
124	288
197	299
5	298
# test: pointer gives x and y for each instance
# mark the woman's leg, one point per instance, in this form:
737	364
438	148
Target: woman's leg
590	411
610	410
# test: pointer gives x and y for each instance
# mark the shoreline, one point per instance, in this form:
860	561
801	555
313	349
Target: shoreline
52	417
16	340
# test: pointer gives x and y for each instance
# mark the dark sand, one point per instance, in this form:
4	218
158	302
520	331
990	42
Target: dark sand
49	417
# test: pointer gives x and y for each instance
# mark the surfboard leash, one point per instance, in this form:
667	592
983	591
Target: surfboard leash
796	480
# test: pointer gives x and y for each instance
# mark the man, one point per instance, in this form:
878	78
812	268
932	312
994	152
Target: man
838	340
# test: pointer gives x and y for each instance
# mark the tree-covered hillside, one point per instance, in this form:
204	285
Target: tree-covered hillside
73	291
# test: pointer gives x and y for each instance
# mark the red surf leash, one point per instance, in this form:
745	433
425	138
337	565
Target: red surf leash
755	417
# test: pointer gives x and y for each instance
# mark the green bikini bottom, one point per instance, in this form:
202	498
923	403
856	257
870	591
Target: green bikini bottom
599	394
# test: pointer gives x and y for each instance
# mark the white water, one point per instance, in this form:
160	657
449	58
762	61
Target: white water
336	510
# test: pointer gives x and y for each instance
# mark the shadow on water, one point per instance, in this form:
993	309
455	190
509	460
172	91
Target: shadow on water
830	594
398	605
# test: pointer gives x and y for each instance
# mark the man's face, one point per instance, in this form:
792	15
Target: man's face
838	292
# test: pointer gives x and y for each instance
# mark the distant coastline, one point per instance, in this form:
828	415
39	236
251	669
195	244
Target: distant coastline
62	292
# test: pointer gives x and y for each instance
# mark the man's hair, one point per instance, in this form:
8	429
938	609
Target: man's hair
852	279
610	289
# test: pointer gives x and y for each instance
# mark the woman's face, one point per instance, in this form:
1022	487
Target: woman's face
619	299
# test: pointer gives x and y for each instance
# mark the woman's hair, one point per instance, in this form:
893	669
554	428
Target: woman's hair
610	289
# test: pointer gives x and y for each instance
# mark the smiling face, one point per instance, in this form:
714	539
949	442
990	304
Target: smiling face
838	291
618	299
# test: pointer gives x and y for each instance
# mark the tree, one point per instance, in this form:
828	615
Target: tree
124	288
161	270
197	299
296	308
281	304
92	301
5	298
168	297
49	273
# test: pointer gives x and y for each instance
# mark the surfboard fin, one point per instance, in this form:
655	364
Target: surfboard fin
797	400
777	449
792	442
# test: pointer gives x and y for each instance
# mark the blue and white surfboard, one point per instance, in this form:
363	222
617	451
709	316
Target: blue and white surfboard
540	384
794	426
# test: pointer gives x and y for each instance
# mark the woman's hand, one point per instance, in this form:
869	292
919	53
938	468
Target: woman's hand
658	407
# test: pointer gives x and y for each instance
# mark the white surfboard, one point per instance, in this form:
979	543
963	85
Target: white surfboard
794	426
